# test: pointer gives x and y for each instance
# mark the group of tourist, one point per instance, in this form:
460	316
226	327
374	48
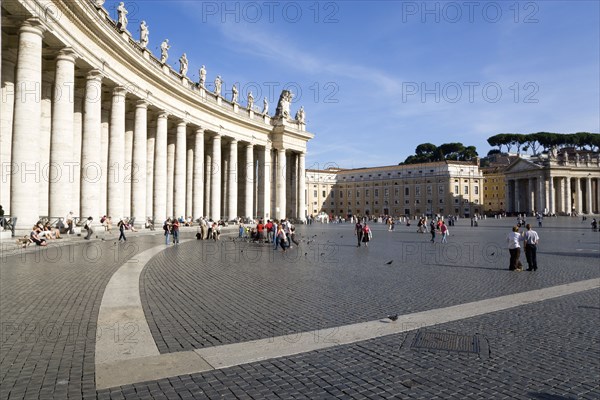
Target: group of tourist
530	238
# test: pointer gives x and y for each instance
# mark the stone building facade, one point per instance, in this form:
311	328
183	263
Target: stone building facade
445	188
564	183
92	122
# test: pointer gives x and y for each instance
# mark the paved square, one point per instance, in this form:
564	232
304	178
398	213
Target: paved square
200	295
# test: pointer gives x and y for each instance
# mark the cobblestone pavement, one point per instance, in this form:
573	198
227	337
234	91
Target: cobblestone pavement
204	294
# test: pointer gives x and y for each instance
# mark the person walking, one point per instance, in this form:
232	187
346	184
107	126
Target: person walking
168	229
358	232
444	230
175	230
432	231
531	239
367	234
514	248
121	225
88	227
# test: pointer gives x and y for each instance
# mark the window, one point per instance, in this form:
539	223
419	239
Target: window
341	194
386	192
332	194
429	190
324	194
406	202
441	189
466	189
417	190
407	191
314	193
456	189
397	192
441	201
357	194
376	192
476	189
366	192
455	201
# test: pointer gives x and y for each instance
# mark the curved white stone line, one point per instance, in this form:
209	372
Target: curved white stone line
134	357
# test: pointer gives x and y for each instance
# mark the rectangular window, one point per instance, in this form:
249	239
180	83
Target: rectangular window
341	194
417	190
441	189
429	190
476	189
366	192
397	192
466	189
406	191
324	195
357	194
386	192
314	193
376	192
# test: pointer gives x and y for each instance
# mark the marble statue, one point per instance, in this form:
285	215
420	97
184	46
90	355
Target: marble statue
183	65
144	34
122	19
99	3
300	116
283	107
250	101
265	110
202	74
234	94
164	51
218	83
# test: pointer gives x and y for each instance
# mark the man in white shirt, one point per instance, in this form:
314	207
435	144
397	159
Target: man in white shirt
531	239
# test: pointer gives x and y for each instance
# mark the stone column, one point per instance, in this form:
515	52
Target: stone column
292	186
170	177
91	157
116	154
302	187
139	163
128	169
7	99
61	140
215	177
198	190
75	163
104	128
588	196
551	207
189	183
578	196
249	183
562	195
44	139
266	170
568	206
180	170
26	125
280	183
160	170
598	195
150	142
517	194
232	190
530	194
207	184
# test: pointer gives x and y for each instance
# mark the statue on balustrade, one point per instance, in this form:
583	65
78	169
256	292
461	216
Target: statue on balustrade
300	116
250	100
122	17
183	65
164	51
283	107
265	110
144	34
202	73
218	83
234	94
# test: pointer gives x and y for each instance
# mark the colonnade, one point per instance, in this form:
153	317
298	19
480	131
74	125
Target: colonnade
73	139
554	194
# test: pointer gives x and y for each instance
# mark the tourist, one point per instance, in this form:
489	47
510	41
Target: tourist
35	237
168	229
121	226
531	239
367	234
514	248
358	232
432	231
70	219
445	232
88	227
281	239
175	230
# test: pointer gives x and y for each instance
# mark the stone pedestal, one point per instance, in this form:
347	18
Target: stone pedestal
236	108
219	100
166	69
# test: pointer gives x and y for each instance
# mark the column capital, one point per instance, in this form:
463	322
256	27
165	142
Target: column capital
163	114
94	75
119	91
181	121
249	145
234	141
67	54
141	104
33	25
199	130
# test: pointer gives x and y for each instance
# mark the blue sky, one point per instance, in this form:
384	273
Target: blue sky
377	78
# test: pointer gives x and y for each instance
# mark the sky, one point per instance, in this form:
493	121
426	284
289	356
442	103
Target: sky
377	78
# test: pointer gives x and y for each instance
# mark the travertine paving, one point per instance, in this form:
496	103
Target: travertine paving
201	295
